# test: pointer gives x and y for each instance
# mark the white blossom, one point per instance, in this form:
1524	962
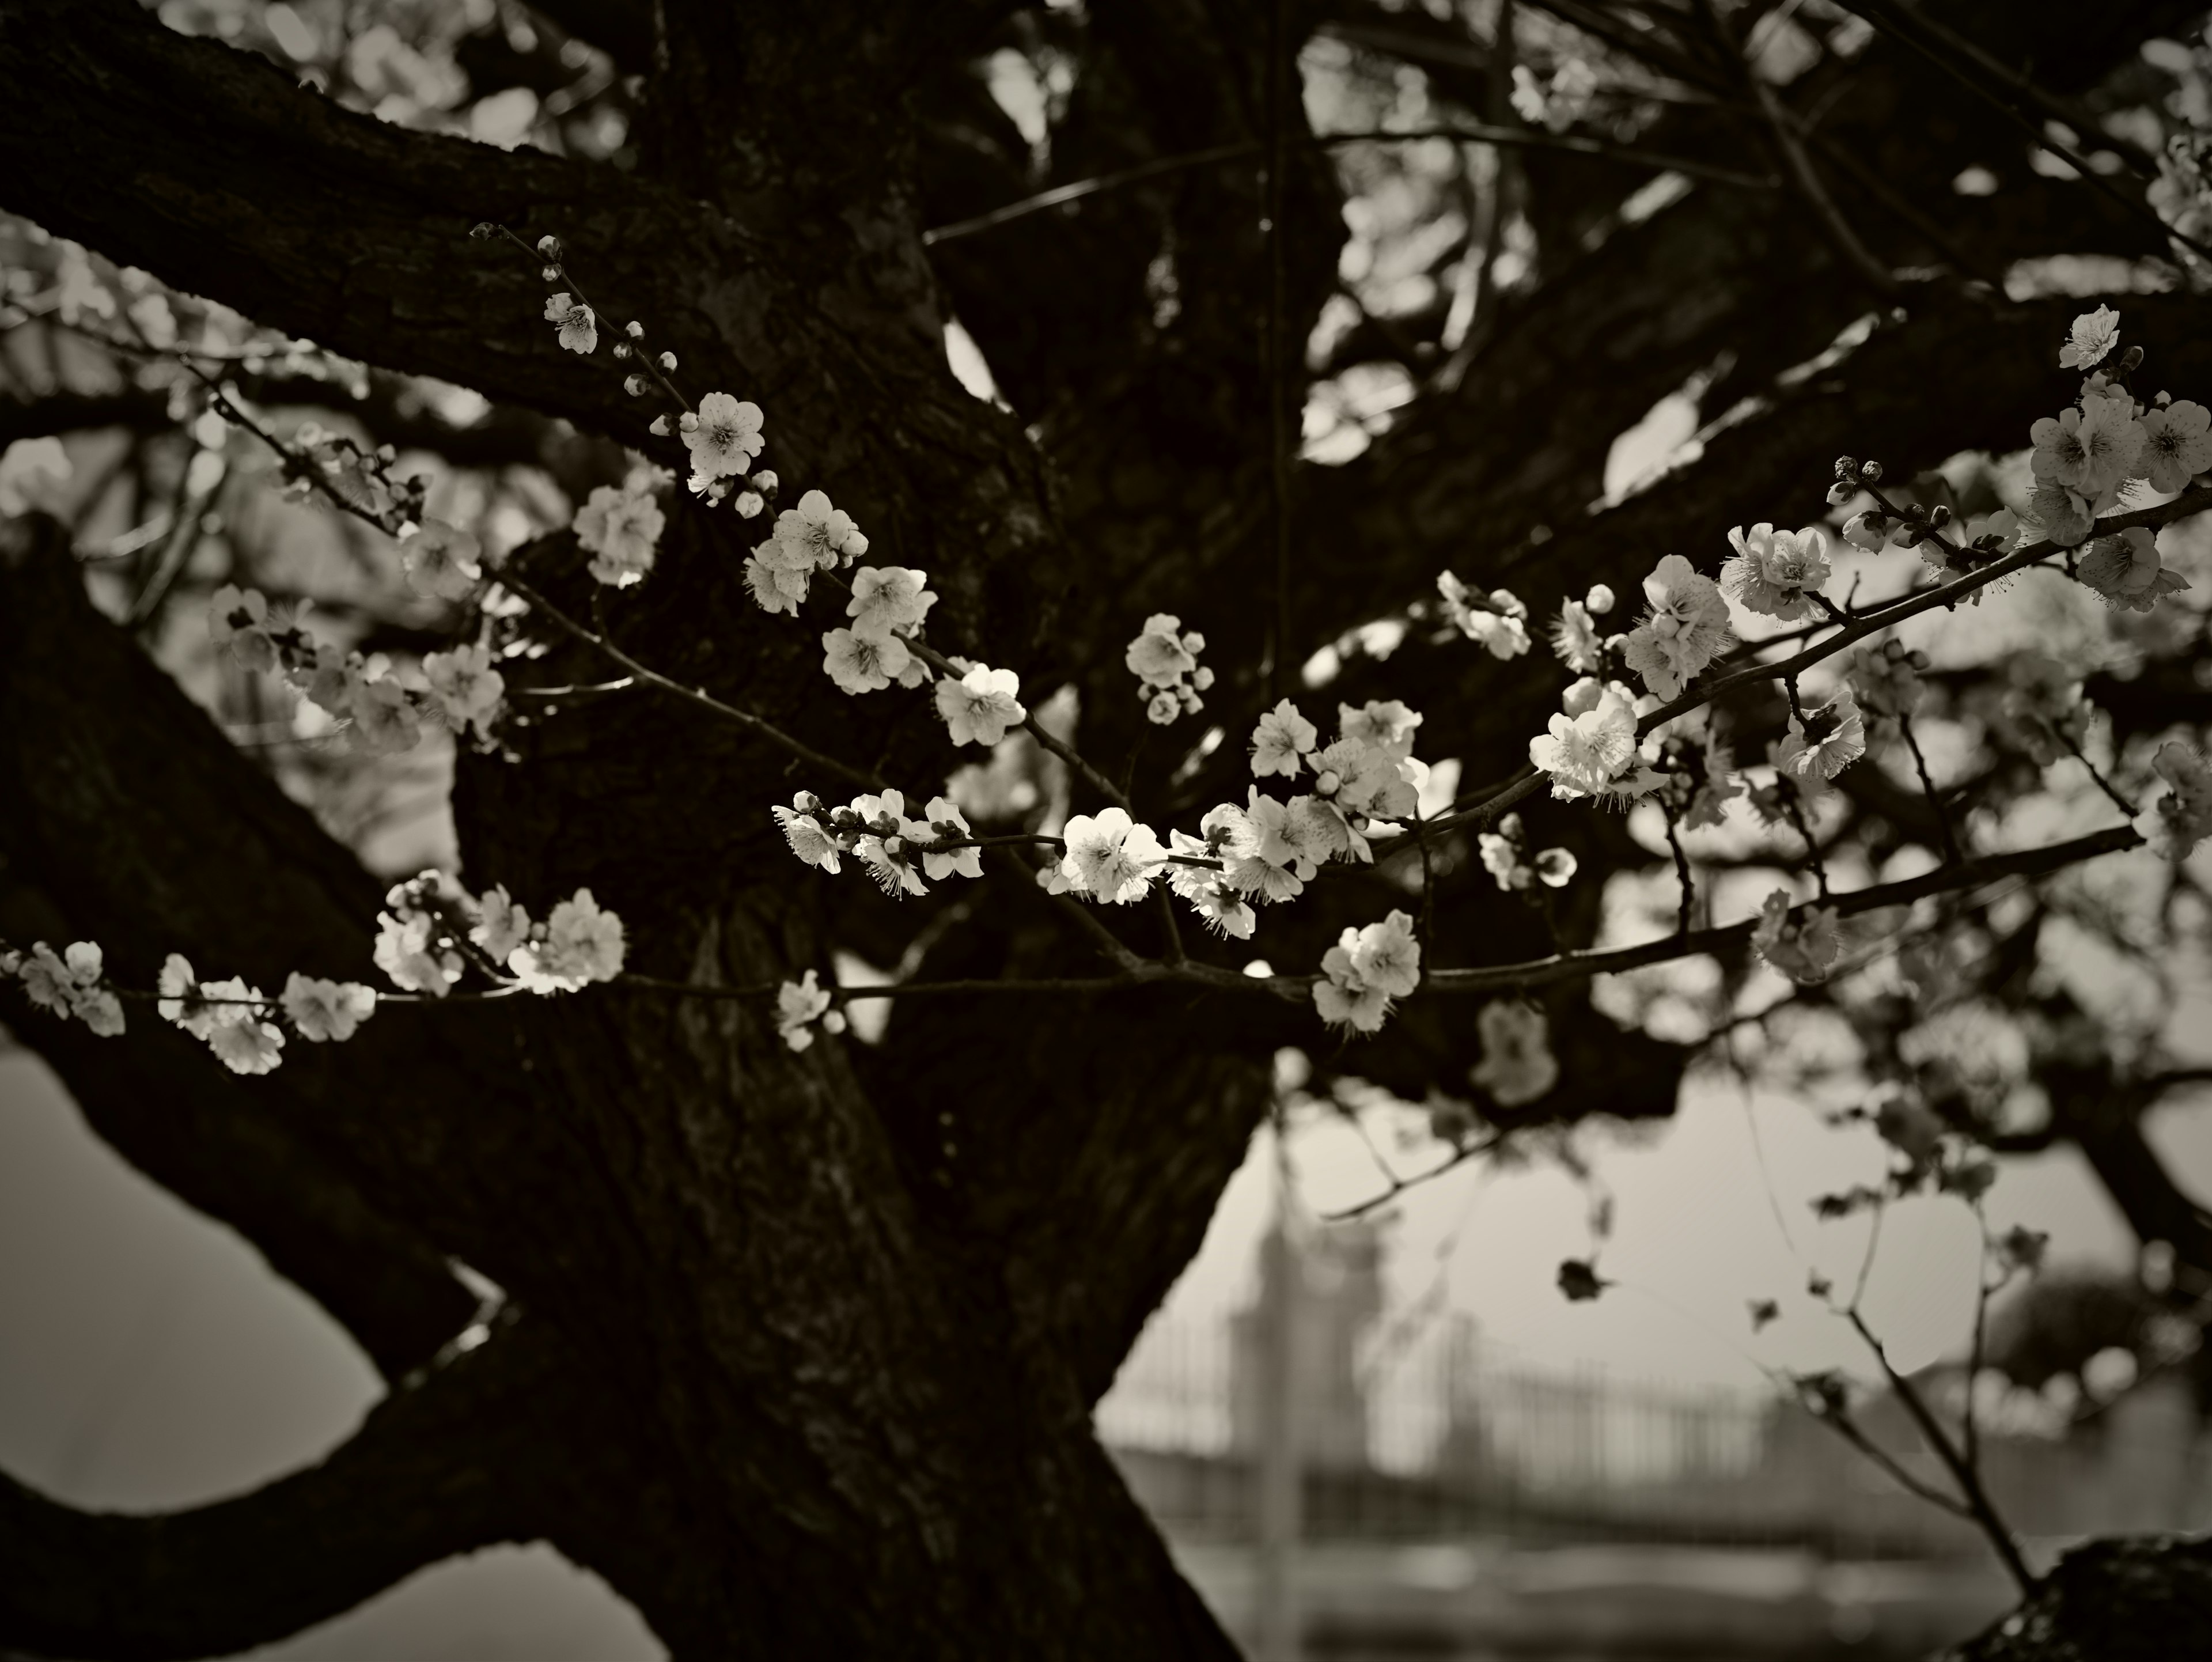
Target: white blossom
1282	737
2089	450
385	720
888	600
1109	856
798	1005
2177	444
583	942
248	1044
804	831
327	1011
443	561
1497	623
1575	638
2126	570
867	663
1826	742
1686	629
620	527
501	924
2094	335
1776	572
467	688
1364	970
406	951
1593	753
981	705
946	822
580	329
1380	724
1159	656
725	437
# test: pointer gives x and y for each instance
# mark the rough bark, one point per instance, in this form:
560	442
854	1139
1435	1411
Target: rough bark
2143	1599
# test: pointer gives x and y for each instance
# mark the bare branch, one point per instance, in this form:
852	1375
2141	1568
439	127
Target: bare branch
450	1461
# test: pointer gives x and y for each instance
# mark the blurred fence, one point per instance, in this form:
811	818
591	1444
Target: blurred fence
1441	1439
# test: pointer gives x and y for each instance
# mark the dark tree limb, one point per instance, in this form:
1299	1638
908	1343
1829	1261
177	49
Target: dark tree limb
455	1459
126	817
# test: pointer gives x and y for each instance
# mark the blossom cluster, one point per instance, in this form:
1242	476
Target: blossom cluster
435	930
800	1005
242	1025
620	526
1164	659
1497	622
895	849
71	983
888	605
1366	969
245	1028
815	536
384	715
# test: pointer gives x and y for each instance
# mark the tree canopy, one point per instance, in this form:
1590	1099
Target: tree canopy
1270	320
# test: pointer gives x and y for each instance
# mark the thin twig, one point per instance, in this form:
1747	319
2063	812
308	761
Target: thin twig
1037	730
2112	792
1681	870
1855	253
1962	1474
752	723
1893	21
1928	787
1473	132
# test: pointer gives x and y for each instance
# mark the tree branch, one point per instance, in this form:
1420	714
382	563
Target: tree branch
451	1460
126	817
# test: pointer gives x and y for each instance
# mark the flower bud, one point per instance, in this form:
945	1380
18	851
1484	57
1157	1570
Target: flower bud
633	385
1939	516
1328	783
749	504
1598	602
688	421
1839	493
634	329
1847	467
660	427
668	361
482	229
2131	360
833	1021
549	247
551	273
1870	471
621	349
763	482
1865	530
